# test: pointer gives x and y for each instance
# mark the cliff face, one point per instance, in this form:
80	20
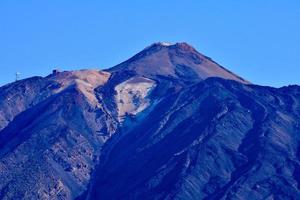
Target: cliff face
169	123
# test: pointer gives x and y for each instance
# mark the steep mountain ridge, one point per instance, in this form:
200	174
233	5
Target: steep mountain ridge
169	123
215	140
51	145
21	95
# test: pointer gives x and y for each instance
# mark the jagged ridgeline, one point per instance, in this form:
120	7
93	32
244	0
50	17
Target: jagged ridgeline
168	123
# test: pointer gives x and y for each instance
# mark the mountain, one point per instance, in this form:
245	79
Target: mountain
217	139
169	123
53	131
178	61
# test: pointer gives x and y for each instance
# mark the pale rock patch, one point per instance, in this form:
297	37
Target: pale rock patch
131	96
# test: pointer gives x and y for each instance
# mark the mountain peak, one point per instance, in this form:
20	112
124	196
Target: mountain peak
178	61
184	46
178	45
165	44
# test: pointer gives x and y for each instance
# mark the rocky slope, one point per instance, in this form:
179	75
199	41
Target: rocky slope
178	61
169	123
55	130
217	139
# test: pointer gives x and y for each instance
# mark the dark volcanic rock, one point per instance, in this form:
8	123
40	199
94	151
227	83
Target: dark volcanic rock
50	147
169	123
216	140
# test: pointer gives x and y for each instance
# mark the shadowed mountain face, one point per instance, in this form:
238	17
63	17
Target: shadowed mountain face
215	140
169	123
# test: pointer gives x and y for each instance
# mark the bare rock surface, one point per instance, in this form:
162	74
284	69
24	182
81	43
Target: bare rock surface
53	138
132	96
179	61
169	123
215	140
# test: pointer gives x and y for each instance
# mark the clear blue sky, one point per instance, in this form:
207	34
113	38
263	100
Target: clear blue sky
257	39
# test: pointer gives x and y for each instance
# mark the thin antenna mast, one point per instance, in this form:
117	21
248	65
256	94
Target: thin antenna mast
18	74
